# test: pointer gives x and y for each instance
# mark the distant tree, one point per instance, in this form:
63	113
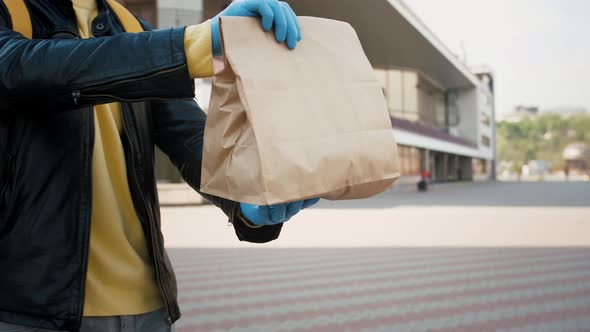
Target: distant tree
543	137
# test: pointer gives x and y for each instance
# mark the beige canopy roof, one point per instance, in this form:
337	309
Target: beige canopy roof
393	37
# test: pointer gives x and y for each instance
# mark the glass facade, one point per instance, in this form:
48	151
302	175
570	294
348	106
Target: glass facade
399	87
413	97
431	103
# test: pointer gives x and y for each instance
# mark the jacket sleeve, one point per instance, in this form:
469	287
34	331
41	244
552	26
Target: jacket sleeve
179	128
70	73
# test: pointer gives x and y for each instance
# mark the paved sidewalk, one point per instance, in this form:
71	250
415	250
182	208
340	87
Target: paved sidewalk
383	290
462	257
179	194
490	214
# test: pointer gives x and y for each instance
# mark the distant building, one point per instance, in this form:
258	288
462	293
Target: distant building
577	158
441	110
519	113
527	110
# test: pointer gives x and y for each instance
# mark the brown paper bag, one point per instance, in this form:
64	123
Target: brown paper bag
289	125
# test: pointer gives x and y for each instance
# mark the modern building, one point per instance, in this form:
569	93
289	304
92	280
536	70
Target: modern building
441	110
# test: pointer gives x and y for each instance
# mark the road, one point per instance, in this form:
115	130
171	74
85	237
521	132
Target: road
462	257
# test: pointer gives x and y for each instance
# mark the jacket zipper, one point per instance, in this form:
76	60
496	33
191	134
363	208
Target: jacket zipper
126	125
88	133
77	93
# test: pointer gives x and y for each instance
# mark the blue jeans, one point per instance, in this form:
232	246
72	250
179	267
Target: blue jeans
148	322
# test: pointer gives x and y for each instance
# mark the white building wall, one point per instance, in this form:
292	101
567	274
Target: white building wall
485	106
467	107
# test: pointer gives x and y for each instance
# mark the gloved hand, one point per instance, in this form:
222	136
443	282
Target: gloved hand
274	214
273	12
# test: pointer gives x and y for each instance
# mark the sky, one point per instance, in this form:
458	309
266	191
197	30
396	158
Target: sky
539	50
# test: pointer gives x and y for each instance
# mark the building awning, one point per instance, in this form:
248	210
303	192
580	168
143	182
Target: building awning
418	135
426	131
393	37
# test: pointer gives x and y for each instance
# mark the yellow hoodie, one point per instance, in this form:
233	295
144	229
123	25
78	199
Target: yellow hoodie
121	278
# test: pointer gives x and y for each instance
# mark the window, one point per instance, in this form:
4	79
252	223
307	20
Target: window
485	140
431	103
485	119
399	87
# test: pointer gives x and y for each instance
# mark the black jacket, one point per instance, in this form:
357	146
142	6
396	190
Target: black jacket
48	87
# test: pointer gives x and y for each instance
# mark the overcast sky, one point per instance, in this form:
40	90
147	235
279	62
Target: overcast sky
538	49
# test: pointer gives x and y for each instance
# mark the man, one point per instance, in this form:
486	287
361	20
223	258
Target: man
82	106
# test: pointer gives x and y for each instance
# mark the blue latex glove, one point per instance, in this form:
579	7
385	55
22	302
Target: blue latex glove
273	13
274	214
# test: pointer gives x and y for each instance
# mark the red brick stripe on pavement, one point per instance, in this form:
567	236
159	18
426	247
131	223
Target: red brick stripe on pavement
229	308
329	278
522	321
273	261
320	261
198	280
307	314
393	319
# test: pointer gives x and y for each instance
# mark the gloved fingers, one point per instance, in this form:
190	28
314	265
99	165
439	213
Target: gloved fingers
310	202
245	8
278	213
280	21
292	33
263	213
291	13
262	8
294	208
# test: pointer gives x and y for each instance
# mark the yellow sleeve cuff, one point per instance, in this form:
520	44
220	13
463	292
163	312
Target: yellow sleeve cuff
198	49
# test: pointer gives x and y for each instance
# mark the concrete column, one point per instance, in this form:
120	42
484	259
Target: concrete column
431	165
467	166
445	168
425	160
